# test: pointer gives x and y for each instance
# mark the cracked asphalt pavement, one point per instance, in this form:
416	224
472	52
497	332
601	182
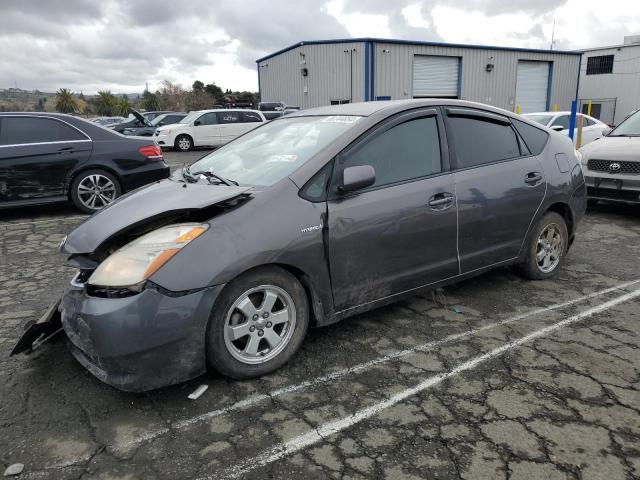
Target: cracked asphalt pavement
495	377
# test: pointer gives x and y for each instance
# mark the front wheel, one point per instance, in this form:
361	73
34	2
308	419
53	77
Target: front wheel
547	248
257	324
184	143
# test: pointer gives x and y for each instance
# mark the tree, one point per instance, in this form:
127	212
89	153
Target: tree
65	101
122	106
149	101
172	96
214	92
197	86
40	104
105	104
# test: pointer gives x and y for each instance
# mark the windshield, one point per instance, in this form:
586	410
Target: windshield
191	117
540	118
628	128
269	153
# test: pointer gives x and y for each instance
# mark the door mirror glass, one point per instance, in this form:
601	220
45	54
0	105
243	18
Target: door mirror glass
557	128
606	131
357	177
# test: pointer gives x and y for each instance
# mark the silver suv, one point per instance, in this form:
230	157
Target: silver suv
611	165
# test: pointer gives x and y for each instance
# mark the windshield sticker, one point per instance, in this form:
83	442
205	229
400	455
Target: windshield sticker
340	119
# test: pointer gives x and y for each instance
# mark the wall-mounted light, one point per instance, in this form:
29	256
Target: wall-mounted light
304	71
386	50
489	67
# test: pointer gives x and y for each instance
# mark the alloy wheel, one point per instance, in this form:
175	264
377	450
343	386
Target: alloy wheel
259	324
96	191
184	143
549	248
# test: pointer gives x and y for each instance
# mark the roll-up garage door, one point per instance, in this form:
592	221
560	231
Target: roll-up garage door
532	83
435	76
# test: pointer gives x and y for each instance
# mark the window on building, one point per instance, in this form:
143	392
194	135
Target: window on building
599	65
404	152
339	102
596	109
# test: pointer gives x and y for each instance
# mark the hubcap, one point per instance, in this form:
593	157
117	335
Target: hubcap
549	248
96	191
259	324
184	143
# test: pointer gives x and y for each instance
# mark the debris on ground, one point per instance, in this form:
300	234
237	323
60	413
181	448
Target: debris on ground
15	469
457	310
198	392
439	298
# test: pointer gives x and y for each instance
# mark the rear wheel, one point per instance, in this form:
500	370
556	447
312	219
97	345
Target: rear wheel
259	321
547	248
94	189
184	143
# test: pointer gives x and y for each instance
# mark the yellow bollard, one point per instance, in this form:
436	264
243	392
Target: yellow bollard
518	109
555	107
579	132
589	108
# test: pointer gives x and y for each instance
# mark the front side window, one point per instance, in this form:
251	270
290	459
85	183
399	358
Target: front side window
208	119
21	130
274	150
404	152
478	142
563	121
539	118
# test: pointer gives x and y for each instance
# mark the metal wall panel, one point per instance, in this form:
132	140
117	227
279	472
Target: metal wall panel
623	85
329	73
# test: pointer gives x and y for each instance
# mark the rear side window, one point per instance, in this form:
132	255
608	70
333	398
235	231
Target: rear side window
404	152
478	142
533	137
228	117
250	117
21	130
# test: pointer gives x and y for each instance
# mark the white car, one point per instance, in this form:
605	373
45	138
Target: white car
592	128
211	128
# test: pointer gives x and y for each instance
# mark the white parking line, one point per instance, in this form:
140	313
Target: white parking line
253	400
319	434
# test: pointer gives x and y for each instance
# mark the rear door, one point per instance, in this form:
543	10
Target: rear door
206	130
400	233
230	126
499	186
36	155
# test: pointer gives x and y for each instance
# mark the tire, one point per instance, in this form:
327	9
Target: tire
546	251
591	202
93	190
255	331
184	143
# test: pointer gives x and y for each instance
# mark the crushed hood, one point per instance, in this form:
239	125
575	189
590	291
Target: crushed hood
613	148
143	205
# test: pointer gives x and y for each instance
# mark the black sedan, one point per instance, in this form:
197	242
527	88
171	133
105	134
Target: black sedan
48	157
307	220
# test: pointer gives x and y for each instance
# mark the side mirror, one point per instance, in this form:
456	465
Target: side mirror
557	128
607	131
356	178
197	123
161	124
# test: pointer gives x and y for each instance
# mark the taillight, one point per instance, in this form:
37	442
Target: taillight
152	152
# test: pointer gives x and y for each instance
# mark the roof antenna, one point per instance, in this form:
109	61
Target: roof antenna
553	34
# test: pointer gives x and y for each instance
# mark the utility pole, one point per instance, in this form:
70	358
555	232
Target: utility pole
553	34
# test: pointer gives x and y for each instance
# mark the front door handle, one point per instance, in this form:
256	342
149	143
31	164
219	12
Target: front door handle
533	178
442	201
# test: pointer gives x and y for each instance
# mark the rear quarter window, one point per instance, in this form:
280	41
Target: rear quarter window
533	137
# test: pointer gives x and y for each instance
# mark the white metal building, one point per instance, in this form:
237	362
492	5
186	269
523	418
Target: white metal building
310	74
610	78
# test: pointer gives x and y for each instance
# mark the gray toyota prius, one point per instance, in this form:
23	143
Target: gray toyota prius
307	220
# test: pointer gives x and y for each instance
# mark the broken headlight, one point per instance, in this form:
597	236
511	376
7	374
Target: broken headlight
141	258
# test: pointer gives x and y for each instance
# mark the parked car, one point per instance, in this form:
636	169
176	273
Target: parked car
136	119
611	166
592	128
307	220
104	121
272	110
208	128
159	121
49	157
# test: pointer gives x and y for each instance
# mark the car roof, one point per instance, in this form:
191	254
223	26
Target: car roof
366	109
225	110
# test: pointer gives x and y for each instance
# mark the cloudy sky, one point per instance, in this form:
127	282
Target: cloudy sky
90	45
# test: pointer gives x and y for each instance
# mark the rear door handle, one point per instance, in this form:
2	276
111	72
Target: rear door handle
441	201
533	178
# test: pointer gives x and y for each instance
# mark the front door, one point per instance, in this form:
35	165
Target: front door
206	130
499	185
400	233
36	155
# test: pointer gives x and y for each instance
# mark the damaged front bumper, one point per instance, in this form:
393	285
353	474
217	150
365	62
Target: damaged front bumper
140	342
